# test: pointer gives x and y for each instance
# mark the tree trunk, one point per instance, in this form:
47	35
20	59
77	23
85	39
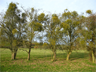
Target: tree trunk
29	54
14	53
54	55
13	57
93	57
70	49
68	55
90	56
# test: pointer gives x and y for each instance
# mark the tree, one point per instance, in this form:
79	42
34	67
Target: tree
52	29
33	26
9	27
91	34
21	29
69	26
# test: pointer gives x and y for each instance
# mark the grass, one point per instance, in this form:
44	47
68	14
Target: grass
41	62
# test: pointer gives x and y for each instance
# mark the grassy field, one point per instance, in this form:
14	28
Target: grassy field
41	62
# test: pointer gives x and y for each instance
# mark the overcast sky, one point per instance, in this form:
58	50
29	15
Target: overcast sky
53	6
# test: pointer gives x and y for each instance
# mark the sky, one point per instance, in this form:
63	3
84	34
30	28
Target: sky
53	6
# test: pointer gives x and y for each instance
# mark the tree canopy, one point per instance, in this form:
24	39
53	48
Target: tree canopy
68	31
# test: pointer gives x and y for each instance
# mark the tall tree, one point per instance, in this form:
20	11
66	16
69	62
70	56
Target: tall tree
69	23
9	27
90	36
52	29
33	26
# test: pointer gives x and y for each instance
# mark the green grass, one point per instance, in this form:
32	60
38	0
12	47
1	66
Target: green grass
41	62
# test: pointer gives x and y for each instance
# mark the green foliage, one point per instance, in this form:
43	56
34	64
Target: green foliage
70	28
68	21
38	26
65	26
89	11
4	43
66	14
55	19
32	9
14	31
52	42
74	14
14	43
76	23
63	31
0	32
45	44
41	17
91	23
12	7
83	43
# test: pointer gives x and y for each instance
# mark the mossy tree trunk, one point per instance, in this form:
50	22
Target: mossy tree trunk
68	55
54	54
93	57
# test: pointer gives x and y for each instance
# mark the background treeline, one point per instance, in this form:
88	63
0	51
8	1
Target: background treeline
68	31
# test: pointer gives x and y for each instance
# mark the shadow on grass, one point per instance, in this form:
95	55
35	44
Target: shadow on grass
73	56
78	55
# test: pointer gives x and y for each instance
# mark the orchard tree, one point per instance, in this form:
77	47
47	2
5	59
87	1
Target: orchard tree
88	33
33	26
9	27
80	42
52	29
91	34
69	26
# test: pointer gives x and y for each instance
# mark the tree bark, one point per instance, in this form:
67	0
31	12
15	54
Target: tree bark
70	49
90	56
29	54
93	57
14	53
13	56
54	54
68	55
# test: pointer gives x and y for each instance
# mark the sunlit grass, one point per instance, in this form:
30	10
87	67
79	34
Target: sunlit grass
41	61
